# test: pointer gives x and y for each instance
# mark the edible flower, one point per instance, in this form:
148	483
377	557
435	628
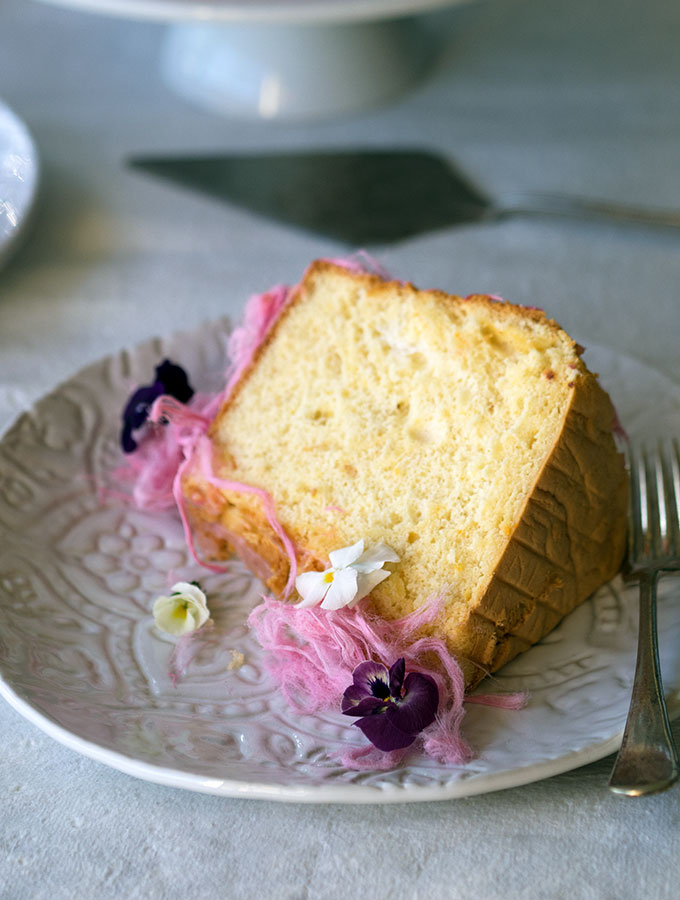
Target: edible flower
183	611
172	380
391	710
352	575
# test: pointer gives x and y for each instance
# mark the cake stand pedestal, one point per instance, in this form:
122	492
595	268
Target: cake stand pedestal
286	59
293	71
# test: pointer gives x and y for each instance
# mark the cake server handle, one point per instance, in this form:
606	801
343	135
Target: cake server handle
553	204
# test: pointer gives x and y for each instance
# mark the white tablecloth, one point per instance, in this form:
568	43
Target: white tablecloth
580	97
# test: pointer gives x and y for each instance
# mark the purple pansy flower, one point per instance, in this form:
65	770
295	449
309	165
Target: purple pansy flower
172	380
391	709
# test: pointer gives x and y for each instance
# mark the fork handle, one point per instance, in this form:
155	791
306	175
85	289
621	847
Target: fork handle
647	761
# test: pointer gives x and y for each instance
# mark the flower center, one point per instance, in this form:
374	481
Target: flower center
328	577
380	689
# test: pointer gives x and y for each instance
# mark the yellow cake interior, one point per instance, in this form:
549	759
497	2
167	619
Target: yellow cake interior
414	418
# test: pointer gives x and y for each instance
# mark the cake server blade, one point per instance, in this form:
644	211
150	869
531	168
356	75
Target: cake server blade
367	197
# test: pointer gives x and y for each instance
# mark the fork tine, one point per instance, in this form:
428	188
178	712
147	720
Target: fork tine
670	468
653	500
637	512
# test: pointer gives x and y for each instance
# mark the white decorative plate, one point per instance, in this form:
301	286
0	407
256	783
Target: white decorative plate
80	657
19	169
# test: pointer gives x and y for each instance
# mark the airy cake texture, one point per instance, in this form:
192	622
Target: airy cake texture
465	433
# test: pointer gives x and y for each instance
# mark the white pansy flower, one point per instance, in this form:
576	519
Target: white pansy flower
352	575
184	611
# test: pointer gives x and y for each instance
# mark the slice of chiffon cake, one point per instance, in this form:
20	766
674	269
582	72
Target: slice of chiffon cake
465	433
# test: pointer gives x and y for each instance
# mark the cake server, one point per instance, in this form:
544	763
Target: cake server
367	196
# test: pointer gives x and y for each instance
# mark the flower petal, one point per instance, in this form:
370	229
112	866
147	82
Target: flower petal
312	587
418	707
170	379
173	617
368	706
136	413
137	408
185	610
383	733
397	671
174	380
127	442
344	557
373	679
353	695
192	591
342	590
366	583
375	558
198	616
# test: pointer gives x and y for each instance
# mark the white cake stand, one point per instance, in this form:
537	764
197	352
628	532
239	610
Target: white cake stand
285	59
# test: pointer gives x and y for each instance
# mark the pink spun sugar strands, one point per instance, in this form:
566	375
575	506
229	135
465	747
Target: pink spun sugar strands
187	429
204	456
191	434
311	654
261	312
152	467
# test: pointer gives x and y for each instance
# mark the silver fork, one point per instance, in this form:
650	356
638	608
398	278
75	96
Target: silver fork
648	761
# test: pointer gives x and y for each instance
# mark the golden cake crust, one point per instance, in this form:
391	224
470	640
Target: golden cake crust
569	540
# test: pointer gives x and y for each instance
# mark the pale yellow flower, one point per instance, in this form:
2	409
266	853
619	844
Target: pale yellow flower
183	611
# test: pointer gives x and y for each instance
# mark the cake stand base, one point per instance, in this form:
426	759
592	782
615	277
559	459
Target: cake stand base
280	71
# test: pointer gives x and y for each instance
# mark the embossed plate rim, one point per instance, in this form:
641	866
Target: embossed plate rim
360	794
